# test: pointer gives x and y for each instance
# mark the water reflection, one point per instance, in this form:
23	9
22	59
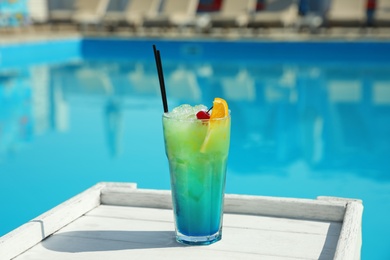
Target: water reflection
331	116
114	125
15	111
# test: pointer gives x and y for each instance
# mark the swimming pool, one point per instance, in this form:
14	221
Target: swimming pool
308	119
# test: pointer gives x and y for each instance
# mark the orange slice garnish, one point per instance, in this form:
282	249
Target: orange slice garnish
220	110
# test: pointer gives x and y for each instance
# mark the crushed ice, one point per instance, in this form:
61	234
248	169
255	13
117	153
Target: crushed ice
186	111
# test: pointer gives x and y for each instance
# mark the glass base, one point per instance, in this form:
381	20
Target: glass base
198	240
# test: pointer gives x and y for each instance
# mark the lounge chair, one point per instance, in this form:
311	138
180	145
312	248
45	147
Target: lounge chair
310	14
279	13
346	13
134	12
60	11
89	12
38	12
233	13
174	13
382	13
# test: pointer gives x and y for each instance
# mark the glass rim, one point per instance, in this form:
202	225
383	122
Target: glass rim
166	115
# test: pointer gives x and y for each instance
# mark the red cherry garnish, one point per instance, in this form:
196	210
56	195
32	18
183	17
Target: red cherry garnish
202	115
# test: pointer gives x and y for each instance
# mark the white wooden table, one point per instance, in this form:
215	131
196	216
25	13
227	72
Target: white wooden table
119	221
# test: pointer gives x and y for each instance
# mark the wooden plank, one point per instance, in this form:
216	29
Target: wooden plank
230	220
117	250
46	224
148	238
285	207
75	207
239	204
125	212
338	199
350	241
118	186
137	198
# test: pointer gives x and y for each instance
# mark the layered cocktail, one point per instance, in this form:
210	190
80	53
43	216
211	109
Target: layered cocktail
197	147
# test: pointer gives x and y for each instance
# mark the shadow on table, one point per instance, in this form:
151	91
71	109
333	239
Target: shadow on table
331	241
107	240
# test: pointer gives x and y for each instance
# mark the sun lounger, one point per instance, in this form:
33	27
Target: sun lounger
233	13
89	12
38	11
174	13
60	11
382	13
280	13
346	13
134	13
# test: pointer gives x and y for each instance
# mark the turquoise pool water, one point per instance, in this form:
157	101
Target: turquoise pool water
308	119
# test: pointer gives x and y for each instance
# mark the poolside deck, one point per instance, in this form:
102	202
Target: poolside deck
118	221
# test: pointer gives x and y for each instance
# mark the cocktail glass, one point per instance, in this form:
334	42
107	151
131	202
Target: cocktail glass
197	152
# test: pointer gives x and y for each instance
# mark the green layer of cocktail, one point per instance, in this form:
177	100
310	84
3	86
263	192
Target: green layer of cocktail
197	151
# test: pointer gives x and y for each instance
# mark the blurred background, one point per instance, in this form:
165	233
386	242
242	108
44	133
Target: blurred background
197	16
307	81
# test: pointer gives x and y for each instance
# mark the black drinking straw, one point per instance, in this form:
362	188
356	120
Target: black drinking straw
161	78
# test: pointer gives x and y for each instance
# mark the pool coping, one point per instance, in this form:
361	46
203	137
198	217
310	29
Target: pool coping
34	33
